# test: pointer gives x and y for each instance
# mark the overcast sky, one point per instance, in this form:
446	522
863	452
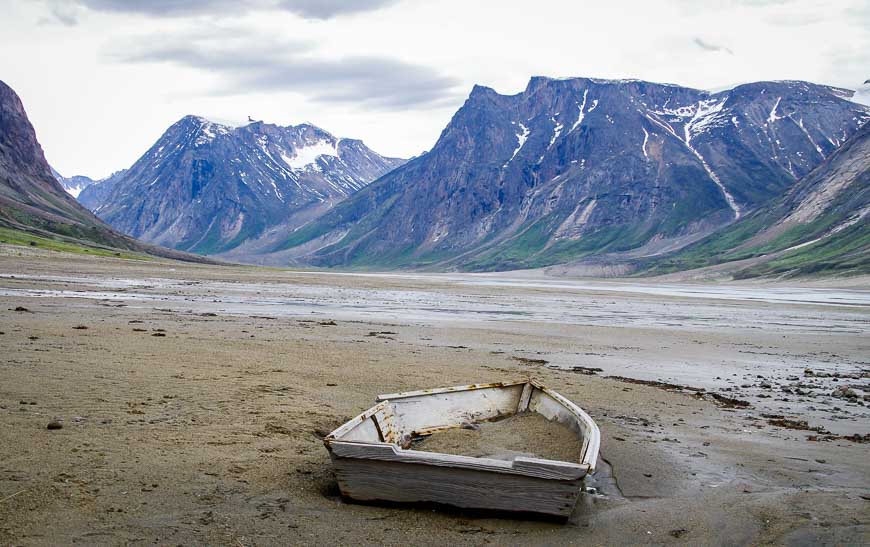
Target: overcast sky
102	79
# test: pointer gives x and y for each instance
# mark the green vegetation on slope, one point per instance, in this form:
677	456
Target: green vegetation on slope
529	249
18	237
844	253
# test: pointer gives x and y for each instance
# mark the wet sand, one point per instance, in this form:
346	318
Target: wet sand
193	401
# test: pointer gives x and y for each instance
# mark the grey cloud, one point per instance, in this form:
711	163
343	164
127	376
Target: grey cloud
707	46
310	9
244	65
61	12
858	15
326	9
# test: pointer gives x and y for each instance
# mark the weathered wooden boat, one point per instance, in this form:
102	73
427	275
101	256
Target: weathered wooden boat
372	465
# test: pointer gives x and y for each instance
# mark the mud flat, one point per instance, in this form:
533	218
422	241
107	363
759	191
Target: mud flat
189	402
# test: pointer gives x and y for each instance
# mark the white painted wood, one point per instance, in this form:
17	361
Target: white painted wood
468	387
554	406
369	480
370	464
360	427
416	413
532	467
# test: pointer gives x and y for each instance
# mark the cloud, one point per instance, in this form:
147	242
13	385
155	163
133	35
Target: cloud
61	12
327	9
247	63
66	11
707	46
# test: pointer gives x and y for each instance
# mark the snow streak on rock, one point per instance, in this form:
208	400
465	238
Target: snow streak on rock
705	116
581	114
521	140
645	139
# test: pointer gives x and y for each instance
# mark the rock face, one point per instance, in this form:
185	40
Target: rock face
207	188
818	227
31	199
570	168
73	185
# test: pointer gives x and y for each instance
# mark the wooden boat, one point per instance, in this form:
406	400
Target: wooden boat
371	464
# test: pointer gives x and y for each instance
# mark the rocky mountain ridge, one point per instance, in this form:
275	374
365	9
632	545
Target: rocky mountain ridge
577	167
73	185
208	188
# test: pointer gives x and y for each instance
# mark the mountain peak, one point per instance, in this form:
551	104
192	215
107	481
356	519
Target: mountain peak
482	90
210	188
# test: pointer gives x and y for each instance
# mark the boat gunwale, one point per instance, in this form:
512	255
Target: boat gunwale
452	389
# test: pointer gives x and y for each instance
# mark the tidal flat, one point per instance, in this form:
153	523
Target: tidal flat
192	401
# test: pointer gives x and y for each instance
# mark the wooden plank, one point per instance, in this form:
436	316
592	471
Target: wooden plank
452	408
532	467
523	405
583	423
368	480
346	428
467	387
386	422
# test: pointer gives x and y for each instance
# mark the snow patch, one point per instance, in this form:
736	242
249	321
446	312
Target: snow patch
208	131
772	117
556	132
74	191
308	154
521	140
800	123
705	116
581	106
645	139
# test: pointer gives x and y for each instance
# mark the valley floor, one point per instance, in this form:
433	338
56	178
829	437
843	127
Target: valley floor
194	398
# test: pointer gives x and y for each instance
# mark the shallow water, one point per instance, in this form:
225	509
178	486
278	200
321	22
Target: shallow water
471	298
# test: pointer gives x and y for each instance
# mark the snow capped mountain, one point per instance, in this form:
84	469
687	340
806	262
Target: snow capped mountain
73	185
576	167
208	188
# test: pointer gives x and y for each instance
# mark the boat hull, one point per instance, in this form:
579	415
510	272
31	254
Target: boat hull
370	480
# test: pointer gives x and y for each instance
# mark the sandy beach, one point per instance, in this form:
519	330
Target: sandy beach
193	400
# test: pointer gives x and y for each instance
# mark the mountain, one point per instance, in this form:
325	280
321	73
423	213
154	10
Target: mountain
93	195
208	188
34	206
73	185
578	167
819	226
